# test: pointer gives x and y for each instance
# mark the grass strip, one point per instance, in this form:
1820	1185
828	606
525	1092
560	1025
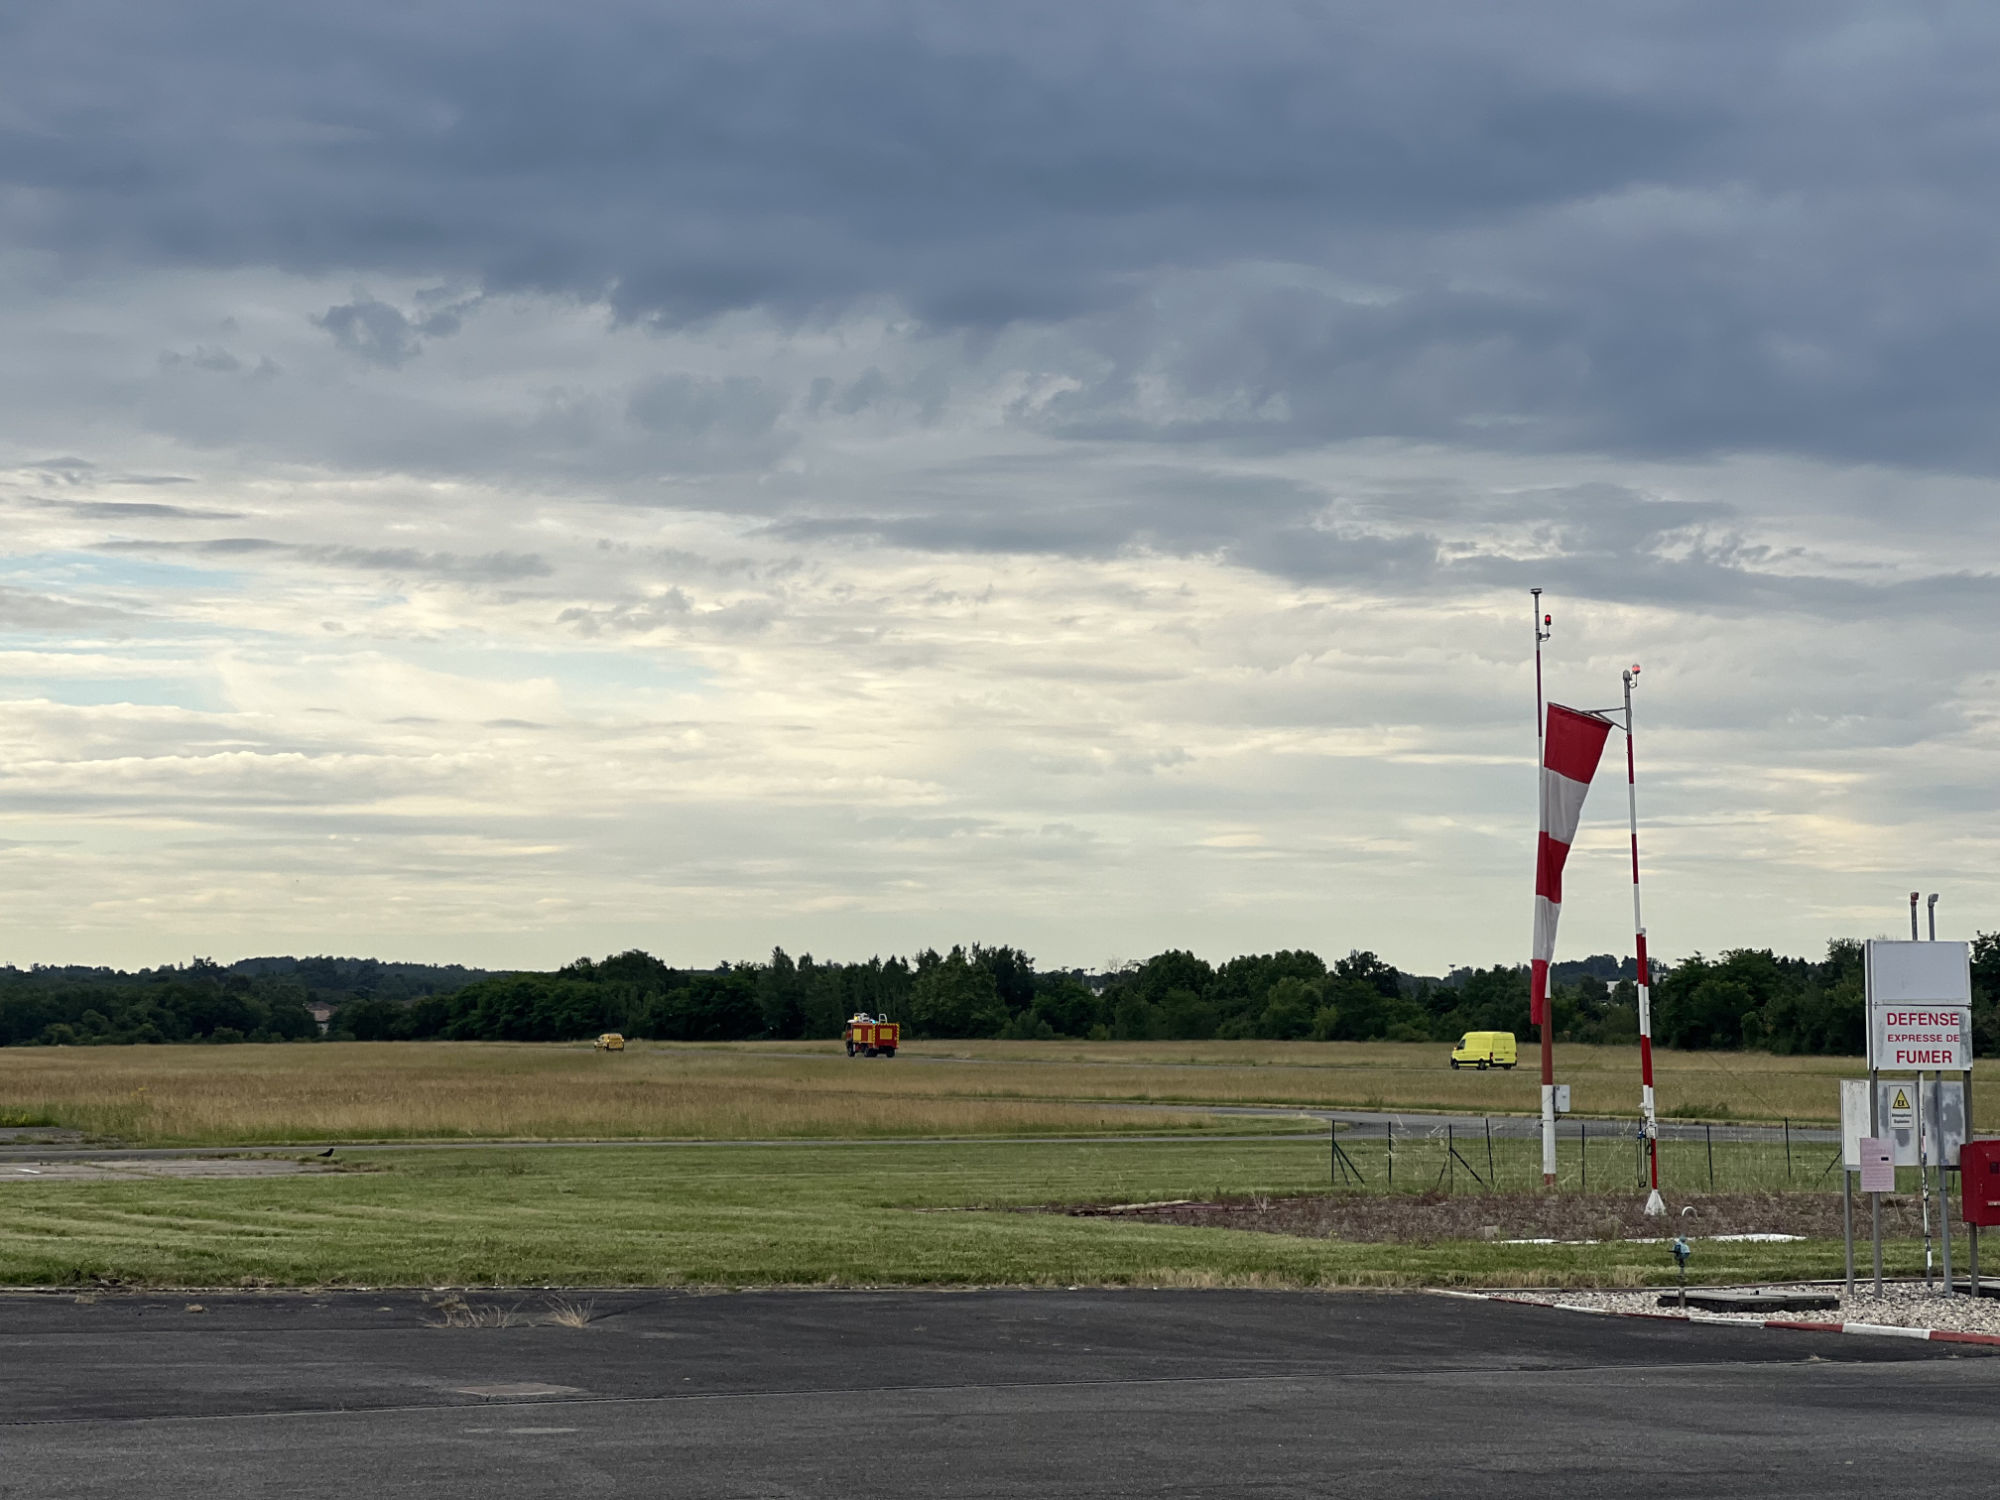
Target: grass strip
777	1215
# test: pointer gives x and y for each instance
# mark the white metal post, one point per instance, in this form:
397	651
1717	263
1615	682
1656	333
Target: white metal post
1547	1037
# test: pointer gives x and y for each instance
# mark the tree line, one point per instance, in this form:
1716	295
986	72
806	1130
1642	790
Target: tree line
1743	998
252	1000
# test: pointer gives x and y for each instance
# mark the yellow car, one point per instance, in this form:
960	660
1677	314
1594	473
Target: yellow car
611	1041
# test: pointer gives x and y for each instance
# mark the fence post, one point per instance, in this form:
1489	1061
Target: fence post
1389	1129
1788	1150
1710	1131
1492	1178
1583	1145
1450	1162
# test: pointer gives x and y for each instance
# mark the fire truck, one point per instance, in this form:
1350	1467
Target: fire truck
867	1037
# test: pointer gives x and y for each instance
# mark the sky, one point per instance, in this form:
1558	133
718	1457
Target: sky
497	482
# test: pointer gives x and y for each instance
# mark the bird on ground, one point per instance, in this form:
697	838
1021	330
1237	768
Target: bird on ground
327	1152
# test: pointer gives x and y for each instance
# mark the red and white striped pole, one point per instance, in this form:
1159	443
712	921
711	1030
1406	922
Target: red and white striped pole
1542	632
1654	1203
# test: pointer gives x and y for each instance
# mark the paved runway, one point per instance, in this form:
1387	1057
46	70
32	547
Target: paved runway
1010	1393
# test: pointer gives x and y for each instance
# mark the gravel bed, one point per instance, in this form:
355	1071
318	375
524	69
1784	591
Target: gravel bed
111	1169
1899	1306
1521	1217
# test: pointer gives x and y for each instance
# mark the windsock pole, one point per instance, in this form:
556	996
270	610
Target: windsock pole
1547	1028
1654	1203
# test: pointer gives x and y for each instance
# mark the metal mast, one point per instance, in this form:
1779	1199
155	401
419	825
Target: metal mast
1542	633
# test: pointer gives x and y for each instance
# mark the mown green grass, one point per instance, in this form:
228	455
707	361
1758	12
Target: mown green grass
893	1214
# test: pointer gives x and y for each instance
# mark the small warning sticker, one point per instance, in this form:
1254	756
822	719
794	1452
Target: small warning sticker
1903	1108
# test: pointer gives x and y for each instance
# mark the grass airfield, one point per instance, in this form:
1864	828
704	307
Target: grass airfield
956	1147
401	1091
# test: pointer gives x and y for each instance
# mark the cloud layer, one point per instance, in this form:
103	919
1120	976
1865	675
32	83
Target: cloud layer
485	481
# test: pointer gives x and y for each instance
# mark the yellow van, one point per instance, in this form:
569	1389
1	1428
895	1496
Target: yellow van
612	1041
1484	1049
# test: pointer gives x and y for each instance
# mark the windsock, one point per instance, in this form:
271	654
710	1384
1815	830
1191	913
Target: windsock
1571	748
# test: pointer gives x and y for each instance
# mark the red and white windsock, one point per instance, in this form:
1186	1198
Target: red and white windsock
1571	749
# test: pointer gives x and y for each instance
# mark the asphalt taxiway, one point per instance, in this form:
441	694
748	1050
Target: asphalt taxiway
983	1393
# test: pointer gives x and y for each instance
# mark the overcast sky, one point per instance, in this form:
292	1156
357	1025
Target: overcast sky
494	482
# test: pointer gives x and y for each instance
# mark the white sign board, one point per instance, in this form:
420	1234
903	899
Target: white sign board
1940	1107
1853	1121
1919	1006
1562	1098
1906	1106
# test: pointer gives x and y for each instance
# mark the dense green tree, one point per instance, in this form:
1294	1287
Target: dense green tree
1291	1008
781	997
1985	993
1368	1000
955	997
716	1006
1067	1006
1494	999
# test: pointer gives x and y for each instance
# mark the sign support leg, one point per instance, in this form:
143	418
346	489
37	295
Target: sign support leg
1923	1165
1944	1234
1944	1206
1847	1222
1875	1224
1875	1199
1971	1133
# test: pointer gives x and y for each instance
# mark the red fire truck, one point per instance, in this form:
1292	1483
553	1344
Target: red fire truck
868	1037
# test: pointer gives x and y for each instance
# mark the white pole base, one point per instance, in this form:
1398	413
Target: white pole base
1655	1204
1548	1135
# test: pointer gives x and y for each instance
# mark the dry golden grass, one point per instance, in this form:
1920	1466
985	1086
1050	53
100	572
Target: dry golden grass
1752	1086
443	1090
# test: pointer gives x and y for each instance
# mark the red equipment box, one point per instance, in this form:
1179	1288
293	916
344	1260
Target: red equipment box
1979	1182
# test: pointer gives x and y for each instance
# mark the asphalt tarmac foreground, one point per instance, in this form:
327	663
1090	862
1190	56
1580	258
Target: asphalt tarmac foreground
940	1394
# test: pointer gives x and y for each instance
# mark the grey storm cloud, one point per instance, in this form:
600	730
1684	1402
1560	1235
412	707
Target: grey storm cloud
128	510
491	567
689	406
1677	229
373	330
